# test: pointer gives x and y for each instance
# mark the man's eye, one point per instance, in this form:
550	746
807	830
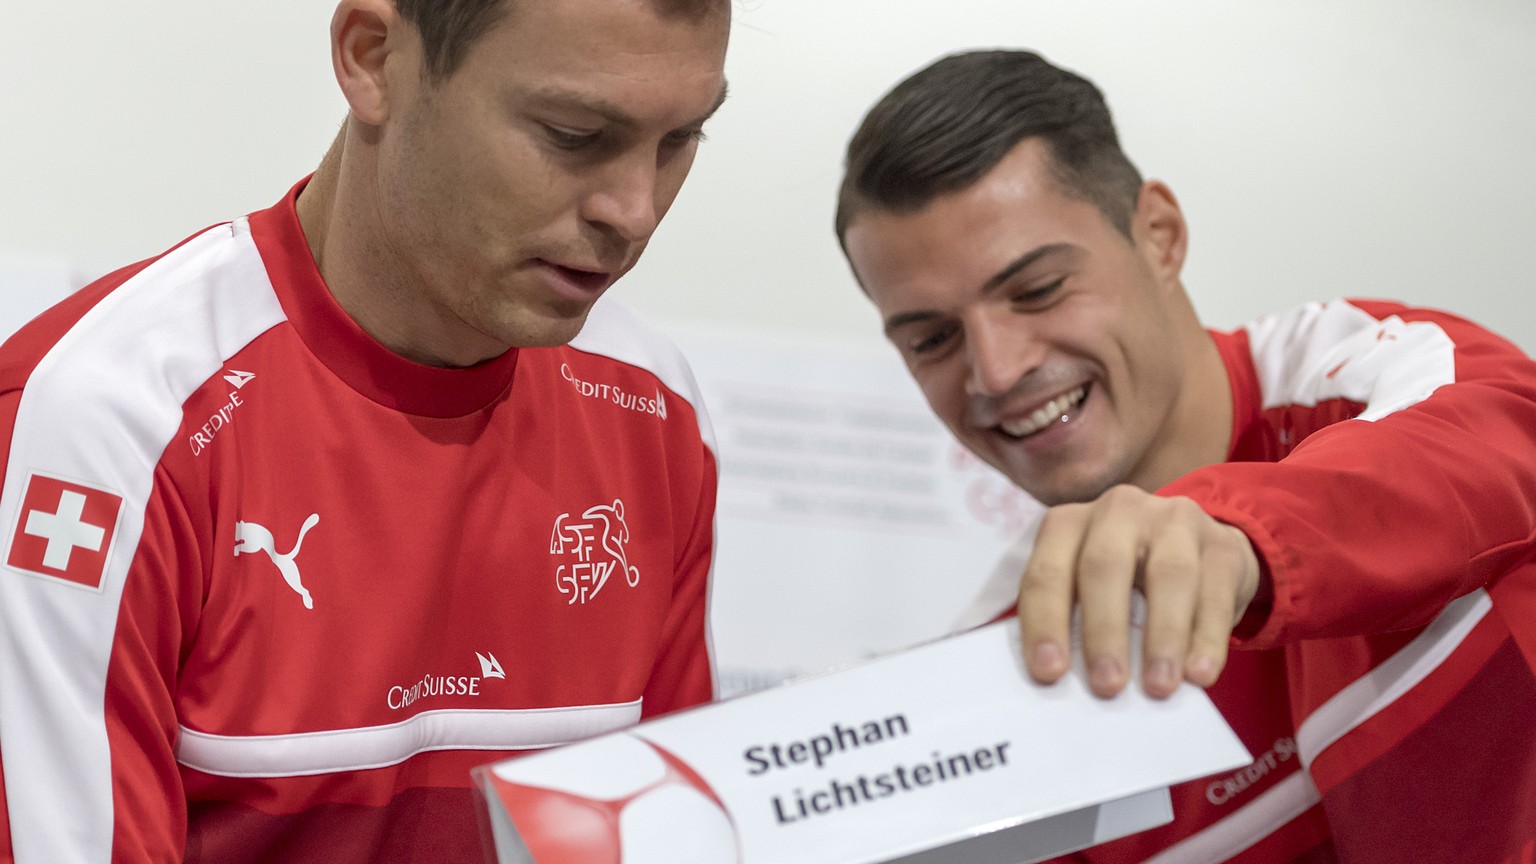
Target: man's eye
684	137
932	342
1030	296
567	139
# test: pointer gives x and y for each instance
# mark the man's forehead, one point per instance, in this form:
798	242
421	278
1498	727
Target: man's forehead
617	58
617	37
597	101
1016	207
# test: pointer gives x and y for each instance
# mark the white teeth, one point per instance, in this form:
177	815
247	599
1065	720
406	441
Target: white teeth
1045	415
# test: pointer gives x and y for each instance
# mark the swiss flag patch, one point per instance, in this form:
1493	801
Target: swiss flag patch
64	531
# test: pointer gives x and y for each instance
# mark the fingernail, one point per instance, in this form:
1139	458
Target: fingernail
1201	668
1048	658
1106	673
1160	674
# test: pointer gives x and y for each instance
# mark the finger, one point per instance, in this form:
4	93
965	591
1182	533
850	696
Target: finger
1106	573
1046	590
1171	581
1225	559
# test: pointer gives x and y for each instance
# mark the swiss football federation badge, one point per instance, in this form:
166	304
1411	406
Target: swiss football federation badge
591	547
64	531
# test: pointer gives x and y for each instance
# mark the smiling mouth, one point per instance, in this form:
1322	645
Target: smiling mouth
1058	409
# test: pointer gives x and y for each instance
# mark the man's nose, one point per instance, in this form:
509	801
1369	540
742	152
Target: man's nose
625	198
1001	350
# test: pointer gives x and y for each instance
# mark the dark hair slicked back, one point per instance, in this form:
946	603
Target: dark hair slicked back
947	125
449	27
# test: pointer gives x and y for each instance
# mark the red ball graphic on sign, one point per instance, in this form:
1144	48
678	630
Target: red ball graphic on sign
615	800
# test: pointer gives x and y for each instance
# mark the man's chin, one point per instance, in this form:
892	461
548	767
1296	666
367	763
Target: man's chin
546	331
1061	487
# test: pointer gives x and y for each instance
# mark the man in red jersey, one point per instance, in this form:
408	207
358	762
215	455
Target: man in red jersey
309	515
1344	492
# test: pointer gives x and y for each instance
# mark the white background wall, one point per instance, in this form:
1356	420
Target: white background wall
1320	147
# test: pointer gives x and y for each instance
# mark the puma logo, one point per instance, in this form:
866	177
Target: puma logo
250	537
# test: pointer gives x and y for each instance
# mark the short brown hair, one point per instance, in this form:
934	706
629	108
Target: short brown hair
947	125
449	28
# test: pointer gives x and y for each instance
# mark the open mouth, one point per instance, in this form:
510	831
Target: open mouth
590	280
1059	409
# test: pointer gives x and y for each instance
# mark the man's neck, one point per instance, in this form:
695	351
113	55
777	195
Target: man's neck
317	200
339	218
1199	432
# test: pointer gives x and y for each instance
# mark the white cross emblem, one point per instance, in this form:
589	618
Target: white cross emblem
64	530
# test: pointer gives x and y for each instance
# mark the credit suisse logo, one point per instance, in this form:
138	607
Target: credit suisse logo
64	531
641	404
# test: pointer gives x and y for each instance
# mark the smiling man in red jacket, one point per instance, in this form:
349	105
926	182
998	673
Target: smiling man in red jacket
1344	492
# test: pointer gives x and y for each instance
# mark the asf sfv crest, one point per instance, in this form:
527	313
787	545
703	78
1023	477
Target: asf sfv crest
592	549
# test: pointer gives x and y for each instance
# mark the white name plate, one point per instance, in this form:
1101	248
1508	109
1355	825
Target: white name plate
946	752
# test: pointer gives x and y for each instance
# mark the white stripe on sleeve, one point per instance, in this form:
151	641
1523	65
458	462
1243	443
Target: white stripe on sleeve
100	409
1336	350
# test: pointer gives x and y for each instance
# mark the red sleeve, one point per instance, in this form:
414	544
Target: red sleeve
684	672
88	651
1375	523
107	772
157	612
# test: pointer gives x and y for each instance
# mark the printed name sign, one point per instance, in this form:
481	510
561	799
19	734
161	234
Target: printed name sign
942	753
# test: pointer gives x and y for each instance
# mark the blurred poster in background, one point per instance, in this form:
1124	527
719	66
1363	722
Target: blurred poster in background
29	284
850	524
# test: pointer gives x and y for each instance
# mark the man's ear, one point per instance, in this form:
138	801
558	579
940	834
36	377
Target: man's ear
1162	236
363	35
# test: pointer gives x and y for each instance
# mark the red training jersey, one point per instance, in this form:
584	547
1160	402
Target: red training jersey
270	591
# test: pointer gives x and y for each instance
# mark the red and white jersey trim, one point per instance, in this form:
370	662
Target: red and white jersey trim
1257	820
1348	709
338	750
1382	686
1336	350
181	317
611	330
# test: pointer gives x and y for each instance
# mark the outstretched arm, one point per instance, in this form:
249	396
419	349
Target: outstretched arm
1376	523
1400	474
